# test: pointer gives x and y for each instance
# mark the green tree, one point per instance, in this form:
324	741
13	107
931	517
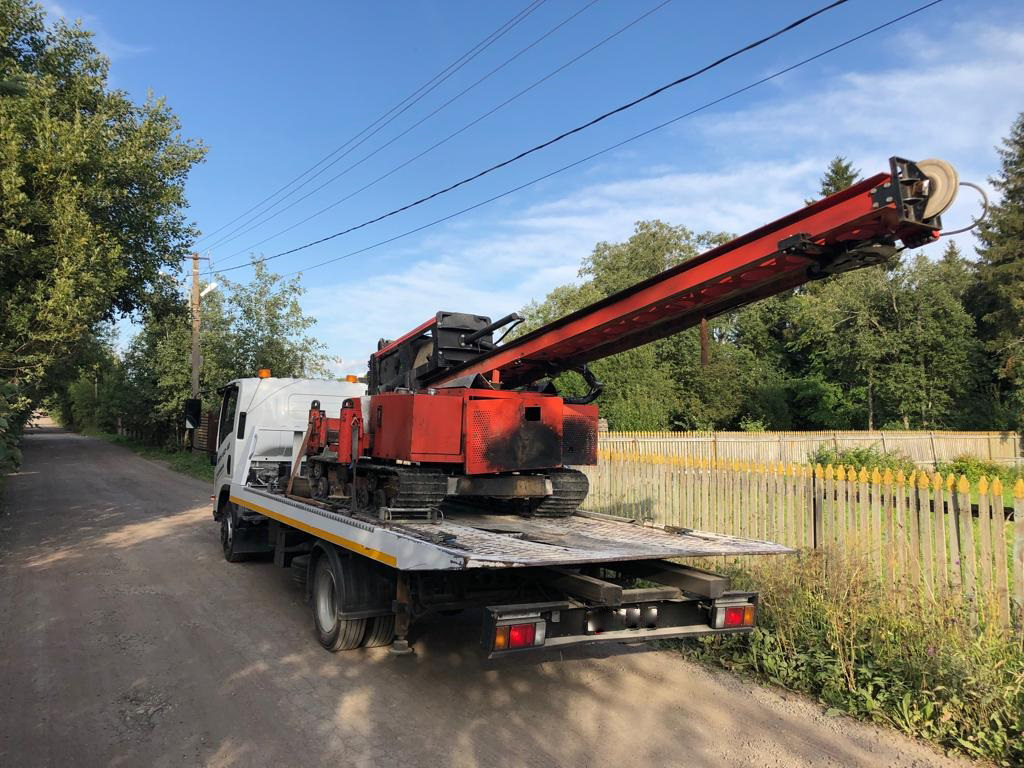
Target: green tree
269	329
640	389
889	346
91	196
998	296
839	175
245	327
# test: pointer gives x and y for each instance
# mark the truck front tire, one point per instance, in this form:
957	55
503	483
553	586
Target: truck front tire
228	530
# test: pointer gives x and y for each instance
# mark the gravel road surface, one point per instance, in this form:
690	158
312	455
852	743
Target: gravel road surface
127	640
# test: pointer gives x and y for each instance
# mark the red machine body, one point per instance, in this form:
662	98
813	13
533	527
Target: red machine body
478	430
446	395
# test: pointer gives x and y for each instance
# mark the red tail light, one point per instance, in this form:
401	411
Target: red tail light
511	637
521	635
733	616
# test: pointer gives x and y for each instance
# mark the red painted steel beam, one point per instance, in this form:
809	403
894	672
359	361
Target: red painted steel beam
732	275
419	330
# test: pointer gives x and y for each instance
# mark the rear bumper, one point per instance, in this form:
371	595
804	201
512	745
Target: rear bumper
569	623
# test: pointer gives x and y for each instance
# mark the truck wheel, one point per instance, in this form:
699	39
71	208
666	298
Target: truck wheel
228	527
330	577
380	632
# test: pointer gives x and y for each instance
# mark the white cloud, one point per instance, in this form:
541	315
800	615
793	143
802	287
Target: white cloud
954	105
107	43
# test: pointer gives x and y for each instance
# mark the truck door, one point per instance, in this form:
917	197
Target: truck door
225	432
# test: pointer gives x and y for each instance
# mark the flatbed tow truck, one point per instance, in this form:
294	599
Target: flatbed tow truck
384	524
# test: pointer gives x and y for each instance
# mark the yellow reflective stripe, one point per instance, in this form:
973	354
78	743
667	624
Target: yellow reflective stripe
354	546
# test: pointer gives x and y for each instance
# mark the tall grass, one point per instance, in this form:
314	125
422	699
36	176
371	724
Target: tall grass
830	629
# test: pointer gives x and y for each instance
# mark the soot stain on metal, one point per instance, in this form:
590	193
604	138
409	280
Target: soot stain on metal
530	445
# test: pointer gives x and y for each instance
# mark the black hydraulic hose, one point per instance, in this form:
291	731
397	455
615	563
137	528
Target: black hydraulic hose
596	388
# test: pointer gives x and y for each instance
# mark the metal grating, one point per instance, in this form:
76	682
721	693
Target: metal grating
509	541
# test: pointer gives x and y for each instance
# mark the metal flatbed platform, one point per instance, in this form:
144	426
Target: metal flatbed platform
463	540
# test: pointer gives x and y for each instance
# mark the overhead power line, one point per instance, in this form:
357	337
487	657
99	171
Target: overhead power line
265	219
388	116
612	147
636	20
562	136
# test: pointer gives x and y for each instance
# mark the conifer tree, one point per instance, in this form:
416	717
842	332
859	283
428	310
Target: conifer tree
840	174
998	298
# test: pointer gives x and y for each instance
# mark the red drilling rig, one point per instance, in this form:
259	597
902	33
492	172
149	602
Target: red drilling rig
450	413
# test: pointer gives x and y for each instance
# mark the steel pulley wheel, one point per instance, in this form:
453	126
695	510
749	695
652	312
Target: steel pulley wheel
943	183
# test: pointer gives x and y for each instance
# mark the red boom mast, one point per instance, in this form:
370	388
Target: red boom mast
452	413
853	228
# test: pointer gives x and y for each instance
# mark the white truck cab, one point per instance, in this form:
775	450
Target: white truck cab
261	426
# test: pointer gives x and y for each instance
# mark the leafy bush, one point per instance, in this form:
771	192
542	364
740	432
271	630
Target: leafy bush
870	456
14	411
974	468
829	629
750	424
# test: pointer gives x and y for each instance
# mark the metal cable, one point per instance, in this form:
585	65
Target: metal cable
419	93
566	134
977	221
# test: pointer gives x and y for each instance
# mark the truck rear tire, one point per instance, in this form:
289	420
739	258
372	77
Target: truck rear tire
332	575
380	632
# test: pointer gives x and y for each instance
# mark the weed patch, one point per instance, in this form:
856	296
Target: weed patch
829	629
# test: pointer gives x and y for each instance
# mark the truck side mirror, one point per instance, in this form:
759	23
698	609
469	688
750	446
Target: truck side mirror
193	413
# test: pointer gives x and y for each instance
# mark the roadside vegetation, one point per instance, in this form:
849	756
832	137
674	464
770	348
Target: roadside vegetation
92	201
974	468
141	391
830	630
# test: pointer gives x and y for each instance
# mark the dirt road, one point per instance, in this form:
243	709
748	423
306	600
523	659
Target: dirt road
126	639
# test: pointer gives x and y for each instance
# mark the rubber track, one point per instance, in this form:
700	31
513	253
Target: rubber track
418	487
569	487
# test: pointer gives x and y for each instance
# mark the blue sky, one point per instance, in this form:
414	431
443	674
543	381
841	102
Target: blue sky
272	89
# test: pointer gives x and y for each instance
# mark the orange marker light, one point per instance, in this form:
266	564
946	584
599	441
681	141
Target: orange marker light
264	373
352	379
500	638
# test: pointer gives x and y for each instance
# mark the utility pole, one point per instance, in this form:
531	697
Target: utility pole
196	358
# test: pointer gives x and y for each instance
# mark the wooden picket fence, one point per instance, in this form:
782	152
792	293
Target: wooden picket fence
923	534
925	448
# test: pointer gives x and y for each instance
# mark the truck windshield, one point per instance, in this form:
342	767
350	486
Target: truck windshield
227	414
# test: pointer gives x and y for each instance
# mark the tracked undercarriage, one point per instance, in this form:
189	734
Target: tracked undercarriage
395	490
